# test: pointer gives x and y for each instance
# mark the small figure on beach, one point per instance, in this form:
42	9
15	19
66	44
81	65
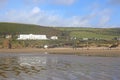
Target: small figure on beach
9	45
45	46
74	47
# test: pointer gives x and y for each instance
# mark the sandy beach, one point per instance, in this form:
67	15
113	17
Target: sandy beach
78	51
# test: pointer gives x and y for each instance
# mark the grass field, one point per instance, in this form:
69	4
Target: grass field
100	33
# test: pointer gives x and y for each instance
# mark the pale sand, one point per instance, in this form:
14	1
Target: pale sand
78	51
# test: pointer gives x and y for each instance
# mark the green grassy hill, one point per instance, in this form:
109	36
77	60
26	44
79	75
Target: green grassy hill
100	33
16	28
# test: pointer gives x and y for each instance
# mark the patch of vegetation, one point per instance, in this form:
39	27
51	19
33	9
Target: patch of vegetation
15	28
98	33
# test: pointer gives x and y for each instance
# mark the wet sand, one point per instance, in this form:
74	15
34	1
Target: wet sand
78	51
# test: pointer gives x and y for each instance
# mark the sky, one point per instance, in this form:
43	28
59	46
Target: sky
62	13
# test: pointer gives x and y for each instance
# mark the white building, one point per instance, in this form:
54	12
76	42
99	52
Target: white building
8	36
54	37
85	39
31	37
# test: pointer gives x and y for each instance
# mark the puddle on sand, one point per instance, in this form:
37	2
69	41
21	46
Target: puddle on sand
58	67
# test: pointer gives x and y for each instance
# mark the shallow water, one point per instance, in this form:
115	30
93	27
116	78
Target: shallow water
58	67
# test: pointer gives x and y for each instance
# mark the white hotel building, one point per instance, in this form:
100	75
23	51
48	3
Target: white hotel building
31	37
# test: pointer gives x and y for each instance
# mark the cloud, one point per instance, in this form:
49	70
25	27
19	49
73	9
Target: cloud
104	20
56	2
64	2
33	1
3	3
114	2
105	16
41	17
35	10
101	16
48	18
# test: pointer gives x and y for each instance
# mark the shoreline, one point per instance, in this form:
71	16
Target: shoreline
79	51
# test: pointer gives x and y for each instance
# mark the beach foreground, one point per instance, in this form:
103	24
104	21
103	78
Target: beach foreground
58	67
84	52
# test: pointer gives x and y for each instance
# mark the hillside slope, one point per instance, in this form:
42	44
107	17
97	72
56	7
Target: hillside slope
99	33
16	28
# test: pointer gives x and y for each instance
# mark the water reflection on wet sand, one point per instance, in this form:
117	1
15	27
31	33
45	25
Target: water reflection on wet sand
58	67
